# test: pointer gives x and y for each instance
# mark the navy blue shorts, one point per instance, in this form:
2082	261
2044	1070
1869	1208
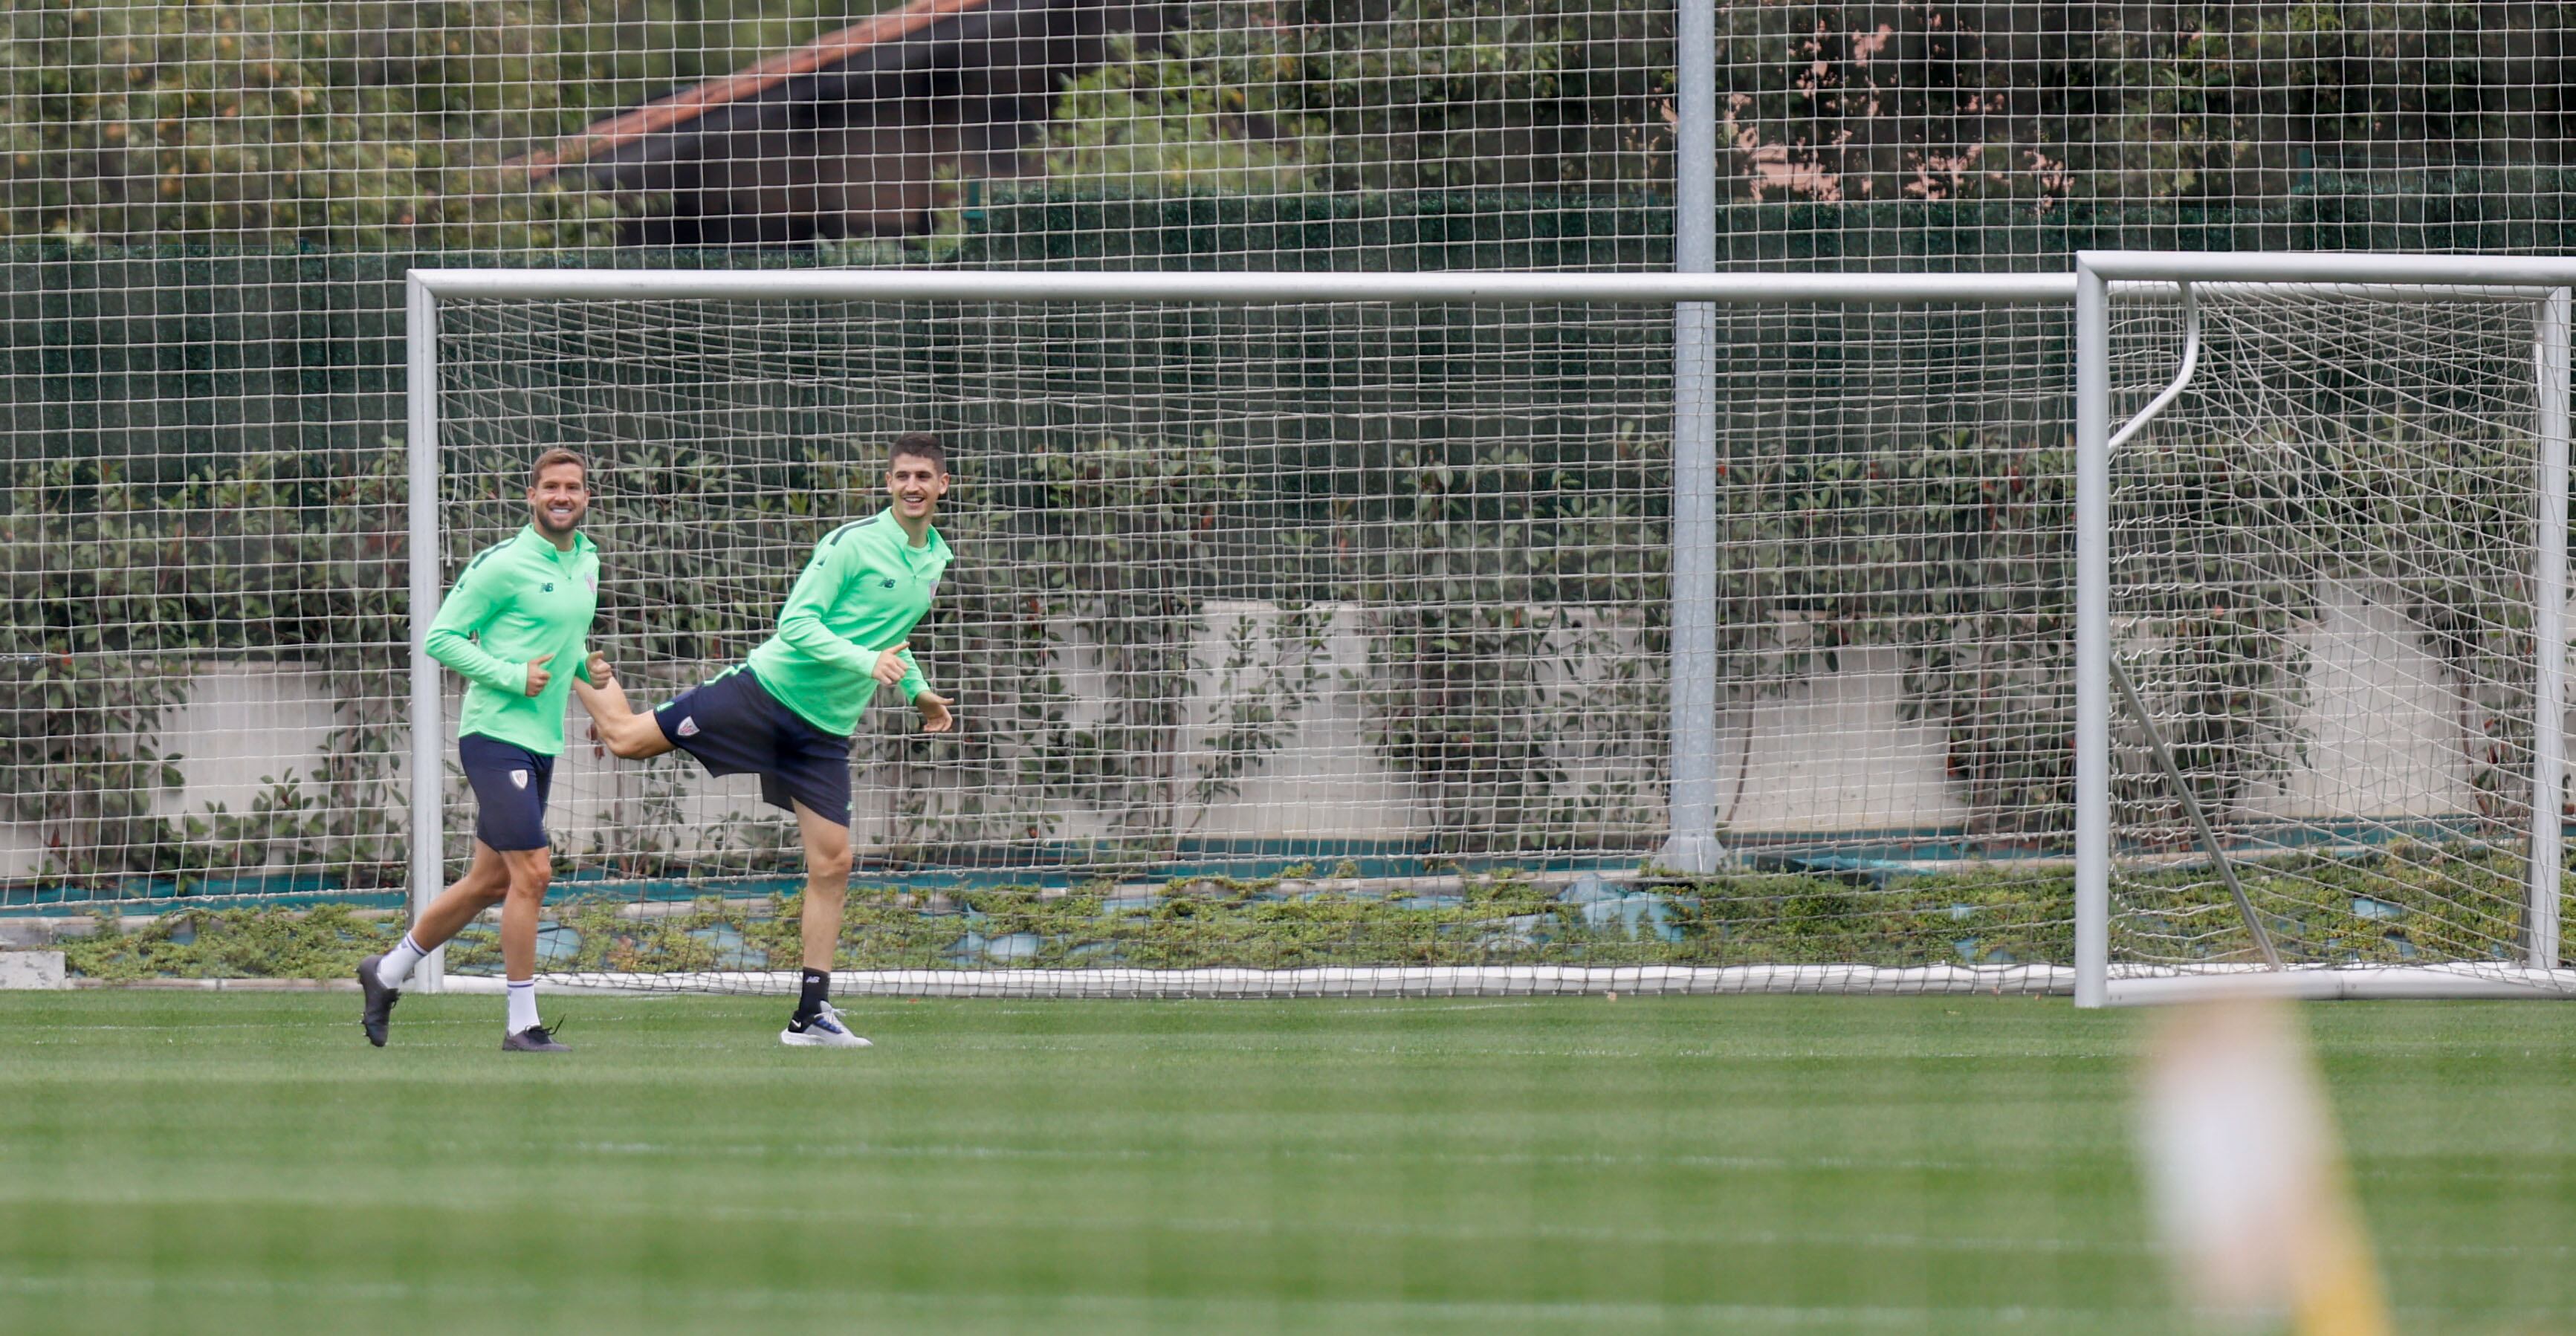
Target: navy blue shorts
510	784
735	727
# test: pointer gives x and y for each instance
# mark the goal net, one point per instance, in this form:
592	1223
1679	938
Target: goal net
1341	633
1320	643
2332	631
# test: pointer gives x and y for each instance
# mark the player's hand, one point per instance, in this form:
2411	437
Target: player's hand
600	673
935	717
891	667
537	674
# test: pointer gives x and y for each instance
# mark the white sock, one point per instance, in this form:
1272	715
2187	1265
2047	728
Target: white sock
395	968
523	1005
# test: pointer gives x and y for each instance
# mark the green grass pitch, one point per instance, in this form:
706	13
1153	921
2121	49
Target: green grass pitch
244	1162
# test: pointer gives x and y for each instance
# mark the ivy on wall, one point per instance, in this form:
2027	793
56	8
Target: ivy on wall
1515	605
1518	616
118	594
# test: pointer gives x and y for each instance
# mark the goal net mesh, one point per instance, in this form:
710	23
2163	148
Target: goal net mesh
1314	635
2322	586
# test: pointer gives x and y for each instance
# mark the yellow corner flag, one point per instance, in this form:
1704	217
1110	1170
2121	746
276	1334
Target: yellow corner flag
2245	1173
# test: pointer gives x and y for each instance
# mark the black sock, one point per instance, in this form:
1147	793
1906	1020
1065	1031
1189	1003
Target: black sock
815	986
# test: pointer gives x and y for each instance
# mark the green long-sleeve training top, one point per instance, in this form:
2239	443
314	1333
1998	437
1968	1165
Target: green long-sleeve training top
865	589
522	598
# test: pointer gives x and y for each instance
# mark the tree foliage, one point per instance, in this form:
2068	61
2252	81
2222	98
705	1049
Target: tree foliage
389	122
1847	102
334	123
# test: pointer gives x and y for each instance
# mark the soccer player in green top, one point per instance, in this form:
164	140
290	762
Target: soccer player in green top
520	605
787	713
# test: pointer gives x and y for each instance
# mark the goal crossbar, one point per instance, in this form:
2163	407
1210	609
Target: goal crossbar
1451	287
2462	274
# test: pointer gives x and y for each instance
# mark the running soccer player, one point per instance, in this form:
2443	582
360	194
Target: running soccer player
787	713
521	604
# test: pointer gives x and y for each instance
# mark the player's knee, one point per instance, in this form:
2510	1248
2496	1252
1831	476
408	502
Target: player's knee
828	863
529	883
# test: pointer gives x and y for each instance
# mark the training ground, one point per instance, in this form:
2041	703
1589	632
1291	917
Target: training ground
244	1162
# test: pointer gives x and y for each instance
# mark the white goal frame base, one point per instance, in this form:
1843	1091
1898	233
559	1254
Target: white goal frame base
2129	986
2140	986
1339	981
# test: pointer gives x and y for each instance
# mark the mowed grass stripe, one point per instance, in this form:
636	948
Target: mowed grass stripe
244	1161
864	1307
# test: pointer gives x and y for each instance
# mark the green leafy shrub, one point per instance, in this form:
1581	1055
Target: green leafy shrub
324	943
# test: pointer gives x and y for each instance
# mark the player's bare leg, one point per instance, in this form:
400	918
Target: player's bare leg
827	884
514	879
486	883
817	1023
618	726
530	870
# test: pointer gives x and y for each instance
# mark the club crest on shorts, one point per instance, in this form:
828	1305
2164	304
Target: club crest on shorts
519	778
688	727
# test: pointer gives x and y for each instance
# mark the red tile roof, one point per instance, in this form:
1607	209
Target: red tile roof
680	108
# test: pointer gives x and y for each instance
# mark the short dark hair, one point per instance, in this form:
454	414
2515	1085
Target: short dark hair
559	455
919	445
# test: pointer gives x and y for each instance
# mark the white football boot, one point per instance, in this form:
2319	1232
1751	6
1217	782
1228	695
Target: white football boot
826	1030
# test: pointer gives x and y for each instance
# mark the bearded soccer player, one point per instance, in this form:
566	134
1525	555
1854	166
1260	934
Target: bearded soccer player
787	713
520	605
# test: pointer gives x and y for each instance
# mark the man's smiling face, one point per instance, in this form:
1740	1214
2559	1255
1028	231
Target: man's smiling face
560	498
916	484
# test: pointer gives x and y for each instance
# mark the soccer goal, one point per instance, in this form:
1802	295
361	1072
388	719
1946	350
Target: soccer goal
2322	503
1331	633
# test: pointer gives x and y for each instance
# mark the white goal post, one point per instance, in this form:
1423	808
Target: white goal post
1692	800
2271	447
2303	720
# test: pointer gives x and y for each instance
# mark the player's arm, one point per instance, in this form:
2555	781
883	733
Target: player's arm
906	674
800	622
895	667
469	608
593	678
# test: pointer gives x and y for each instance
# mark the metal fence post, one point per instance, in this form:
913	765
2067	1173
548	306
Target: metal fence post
1693	844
